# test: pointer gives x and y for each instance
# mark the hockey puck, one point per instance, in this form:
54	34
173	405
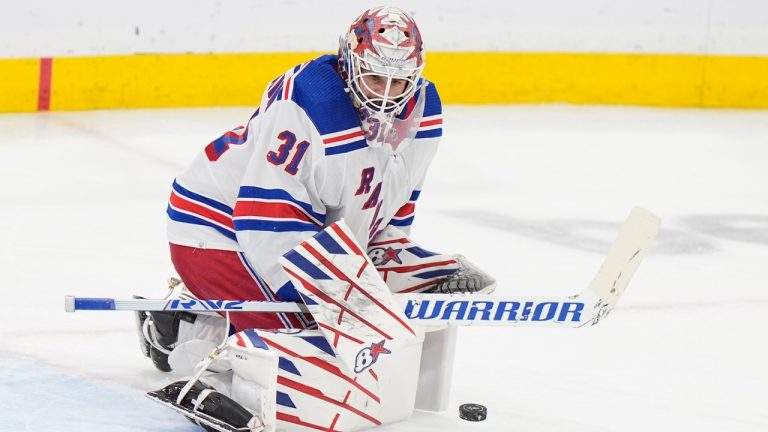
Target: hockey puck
473	412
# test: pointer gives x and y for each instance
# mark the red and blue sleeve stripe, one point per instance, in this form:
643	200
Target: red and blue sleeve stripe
275	210
406	213
431	124
344	141
188	207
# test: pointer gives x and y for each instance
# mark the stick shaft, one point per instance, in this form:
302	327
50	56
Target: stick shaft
585	308
438	309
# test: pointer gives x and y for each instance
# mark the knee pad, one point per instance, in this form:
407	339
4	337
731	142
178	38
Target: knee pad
195	340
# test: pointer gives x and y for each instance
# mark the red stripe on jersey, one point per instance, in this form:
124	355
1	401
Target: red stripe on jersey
409	107
431	122
192	207
406	210
211	154
288	88
319	395
358	133
270	210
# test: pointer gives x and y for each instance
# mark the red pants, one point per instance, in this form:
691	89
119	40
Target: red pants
213	274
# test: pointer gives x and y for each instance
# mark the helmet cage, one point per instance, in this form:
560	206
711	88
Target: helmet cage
380	102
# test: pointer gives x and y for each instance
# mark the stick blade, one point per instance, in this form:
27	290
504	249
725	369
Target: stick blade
635	237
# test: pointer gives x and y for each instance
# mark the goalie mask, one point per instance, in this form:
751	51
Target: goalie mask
381	59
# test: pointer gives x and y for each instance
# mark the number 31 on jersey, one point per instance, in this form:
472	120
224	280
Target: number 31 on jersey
285	150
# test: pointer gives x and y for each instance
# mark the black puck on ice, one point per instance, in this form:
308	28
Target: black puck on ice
473	412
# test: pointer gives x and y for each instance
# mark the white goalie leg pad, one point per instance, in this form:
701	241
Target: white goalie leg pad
358	317
296	372
254	376
436	372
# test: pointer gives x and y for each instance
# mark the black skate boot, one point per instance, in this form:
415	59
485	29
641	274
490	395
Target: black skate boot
207	408
158	333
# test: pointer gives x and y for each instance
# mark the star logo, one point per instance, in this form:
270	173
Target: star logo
377	349
368	356
392	255
380	256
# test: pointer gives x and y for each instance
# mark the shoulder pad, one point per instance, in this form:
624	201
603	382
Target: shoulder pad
319	91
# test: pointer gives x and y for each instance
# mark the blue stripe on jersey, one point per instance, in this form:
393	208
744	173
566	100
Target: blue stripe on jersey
329	243
305	265
219	145
277	194
275	97
275	84
435	273
222	143
201	199
274	226
185	218
255	339
320	342
414	195
394	222
346	148
432	133
319	91
283	399
287	365
227	139
432	105
419	252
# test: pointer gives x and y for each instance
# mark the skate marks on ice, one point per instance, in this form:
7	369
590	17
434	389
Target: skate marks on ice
34	397
736	227
695	234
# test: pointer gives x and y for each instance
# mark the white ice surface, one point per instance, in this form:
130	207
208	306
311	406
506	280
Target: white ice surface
534	195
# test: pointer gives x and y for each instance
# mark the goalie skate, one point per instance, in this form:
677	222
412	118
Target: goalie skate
207	408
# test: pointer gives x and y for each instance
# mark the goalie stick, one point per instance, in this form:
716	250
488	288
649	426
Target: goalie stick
586	308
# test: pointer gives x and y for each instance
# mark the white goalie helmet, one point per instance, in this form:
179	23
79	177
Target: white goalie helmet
381	51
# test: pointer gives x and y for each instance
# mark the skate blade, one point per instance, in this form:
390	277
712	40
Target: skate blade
198	417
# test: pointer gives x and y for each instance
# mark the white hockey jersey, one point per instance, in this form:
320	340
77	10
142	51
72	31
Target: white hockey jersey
304	161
